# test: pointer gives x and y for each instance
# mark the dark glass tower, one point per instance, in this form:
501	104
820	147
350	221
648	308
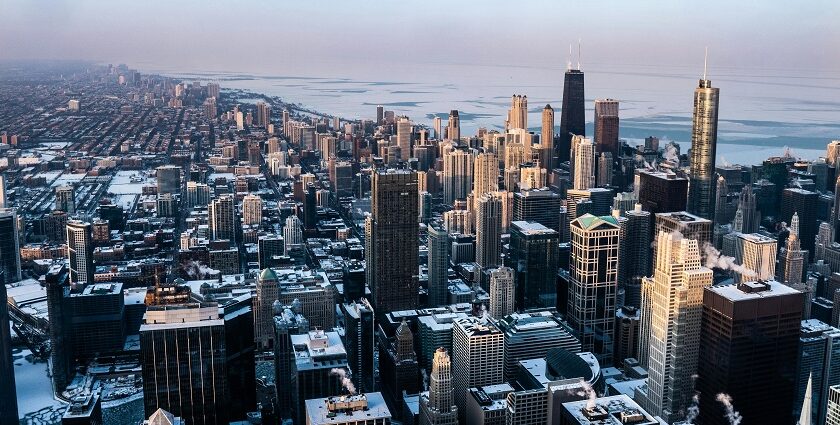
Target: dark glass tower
701	190
8	398
534	253
573	114
606	126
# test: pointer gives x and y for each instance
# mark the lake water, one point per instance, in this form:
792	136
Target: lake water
763	109
36	402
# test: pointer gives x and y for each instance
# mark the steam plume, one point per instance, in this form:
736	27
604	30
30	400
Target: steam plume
345	381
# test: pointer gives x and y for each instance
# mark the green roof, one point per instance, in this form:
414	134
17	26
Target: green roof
589	221
268	274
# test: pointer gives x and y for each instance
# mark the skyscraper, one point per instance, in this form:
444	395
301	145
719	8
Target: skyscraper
453	129
518	112
540	205
750	216
457	175
547	153
749	338
759	255
818	368
532	335
584	177
606	126
266	294
478	349
252	209
438	245
488	231
802	203
8	393
80	252
502	292
534	253
292	233
485	174
832	414
701	190
222	218
437	407
792	258
404	137
661	192
360	342
65	199
672	301
572	113
168	179
392	232
593	273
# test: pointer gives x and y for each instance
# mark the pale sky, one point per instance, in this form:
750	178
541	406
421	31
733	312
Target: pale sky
305	37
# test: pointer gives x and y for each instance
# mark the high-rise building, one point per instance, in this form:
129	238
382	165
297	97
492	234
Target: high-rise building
792	257
453	129
606	126
169	179
750	216
584	166
819	368
518	112
398	366
457	175
672	301
832	414
263	114
539	205
478	349
65	199
404	134
380	114
802	203
79	252
635	256
757	374
502	292
352	409
604	176
360	342
3	199
198	194
689	225
759	256
269	250
252	209
438	245
701	194
318	368
572	113
293	233
392	234
266	294
593	285
531	335
437	406
222	218
488	231
534	253
547	152
662	192
8	393
485	174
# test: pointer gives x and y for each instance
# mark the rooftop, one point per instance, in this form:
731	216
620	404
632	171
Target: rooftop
753	290
346	409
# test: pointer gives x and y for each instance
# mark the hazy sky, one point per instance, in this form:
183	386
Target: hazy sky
314	37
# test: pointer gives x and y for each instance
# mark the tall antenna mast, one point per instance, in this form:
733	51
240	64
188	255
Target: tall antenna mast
705	62
578	54
569	63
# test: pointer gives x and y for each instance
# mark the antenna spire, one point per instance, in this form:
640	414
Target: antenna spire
569	63
578	54
705	62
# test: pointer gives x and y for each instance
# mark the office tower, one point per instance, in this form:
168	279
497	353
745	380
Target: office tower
593	273
360	342
672	301
605	169
572	113
547	153
287	321
438	245
315	295
210	110
437	124
222	218
792	258
399	370
689	225
534	253
293	233
453	129
750	216
833	411
269	250
531	335
478	349
404	137
392	232
380	114
65	199
539	205
267	293
342	177
818	368
425	201
758	255
457	175
219	384
8	393
661	192
701	194
57	286
354	409
502	292
485	174
608	410
435	331
318	369
198	194
252	209
635	256
627	333
437	407
721	213
263	115
803	203
606	126
531	176
169	179
213	90
3	199
757	373
488	231
518	112
79	252
584	156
